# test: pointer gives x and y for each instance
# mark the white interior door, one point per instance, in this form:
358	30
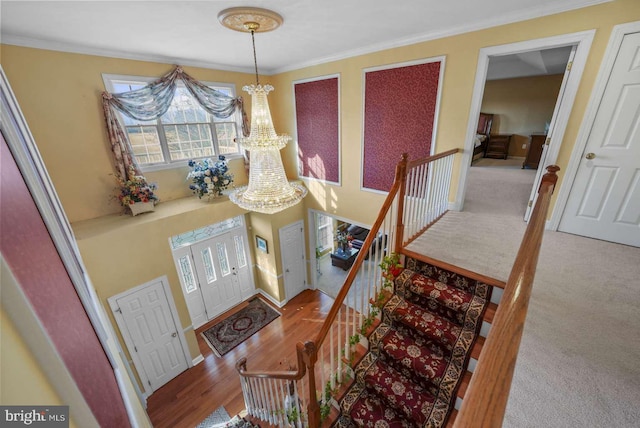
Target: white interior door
542	165
604	202
293	261
153	333
220	290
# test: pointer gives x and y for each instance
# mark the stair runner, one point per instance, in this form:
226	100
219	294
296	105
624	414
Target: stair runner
419	353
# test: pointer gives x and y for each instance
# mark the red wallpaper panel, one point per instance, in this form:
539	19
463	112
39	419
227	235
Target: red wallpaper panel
34	260
399	110
317	123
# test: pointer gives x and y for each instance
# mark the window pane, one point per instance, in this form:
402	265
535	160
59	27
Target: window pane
184	109
226	134
187	274
223	258
189	141
145	144
209	269
242	259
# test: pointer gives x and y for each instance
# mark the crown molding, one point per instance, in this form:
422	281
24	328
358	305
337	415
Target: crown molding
504	19
53	45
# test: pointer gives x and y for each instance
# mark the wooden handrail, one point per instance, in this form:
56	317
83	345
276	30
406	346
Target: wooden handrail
428	159
486	398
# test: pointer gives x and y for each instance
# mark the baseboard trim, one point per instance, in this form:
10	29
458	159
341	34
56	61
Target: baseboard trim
270	298
197	360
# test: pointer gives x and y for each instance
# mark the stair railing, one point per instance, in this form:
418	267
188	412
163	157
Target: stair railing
426	195
486	397
418	196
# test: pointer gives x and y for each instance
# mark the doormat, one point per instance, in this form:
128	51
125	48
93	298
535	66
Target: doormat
232	331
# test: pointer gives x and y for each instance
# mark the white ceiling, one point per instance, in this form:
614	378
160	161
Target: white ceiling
188	32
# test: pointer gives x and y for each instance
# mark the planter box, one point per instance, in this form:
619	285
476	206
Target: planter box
141	207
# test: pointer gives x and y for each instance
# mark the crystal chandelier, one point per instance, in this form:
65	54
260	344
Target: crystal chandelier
268	190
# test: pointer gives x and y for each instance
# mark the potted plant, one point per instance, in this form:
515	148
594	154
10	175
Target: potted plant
136	194
208	177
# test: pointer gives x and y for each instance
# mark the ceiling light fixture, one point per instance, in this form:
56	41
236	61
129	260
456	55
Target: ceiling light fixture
268	190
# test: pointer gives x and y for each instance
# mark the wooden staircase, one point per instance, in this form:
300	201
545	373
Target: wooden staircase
309	394
361	349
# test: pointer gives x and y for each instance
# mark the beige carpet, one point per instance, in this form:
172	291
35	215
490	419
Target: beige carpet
579	361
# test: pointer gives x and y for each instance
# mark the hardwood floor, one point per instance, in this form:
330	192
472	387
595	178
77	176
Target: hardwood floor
193	395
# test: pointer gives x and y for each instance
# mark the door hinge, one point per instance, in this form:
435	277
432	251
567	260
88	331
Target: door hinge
530	204
149	382
135	348
569	65
548	141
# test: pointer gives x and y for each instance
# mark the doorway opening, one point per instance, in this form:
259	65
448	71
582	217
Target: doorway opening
527	89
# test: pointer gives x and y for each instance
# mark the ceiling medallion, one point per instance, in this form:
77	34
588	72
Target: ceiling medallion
236	19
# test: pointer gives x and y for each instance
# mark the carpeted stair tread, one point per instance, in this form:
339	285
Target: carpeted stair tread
429	325
368	410
394	389
416	362
422	361
440	298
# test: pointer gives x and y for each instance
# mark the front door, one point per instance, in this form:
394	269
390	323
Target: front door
604	202
153	332
293	259
216	273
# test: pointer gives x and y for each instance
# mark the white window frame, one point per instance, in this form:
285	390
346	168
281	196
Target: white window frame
327	225
110	79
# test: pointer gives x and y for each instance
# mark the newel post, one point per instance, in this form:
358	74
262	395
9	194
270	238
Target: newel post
550	176
401	176
309	354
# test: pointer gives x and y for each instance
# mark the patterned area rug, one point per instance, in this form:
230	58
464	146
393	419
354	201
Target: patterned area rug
221	419
232	331
217	419
419	353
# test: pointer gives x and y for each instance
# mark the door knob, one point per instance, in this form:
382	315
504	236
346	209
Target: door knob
590	156
287	271
174	334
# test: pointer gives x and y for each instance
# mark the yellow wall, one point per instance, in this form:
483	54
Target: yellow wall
521	107
461	54
60	96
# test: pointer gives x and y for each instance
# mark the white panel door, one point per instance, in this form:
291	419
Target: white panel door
182	257
604	202
293	260
154	333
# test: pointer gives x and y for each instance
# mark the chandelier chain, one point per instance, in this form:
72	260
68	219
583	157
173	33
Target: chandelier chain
255	59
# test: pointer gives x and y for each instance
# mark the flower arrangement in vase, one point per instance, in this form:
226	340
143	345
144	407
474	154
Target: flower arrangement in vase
344	240
136	194
208	177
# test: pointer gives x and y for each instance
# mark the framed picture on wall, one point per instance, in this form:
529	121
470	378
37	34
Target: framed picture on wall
261	243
